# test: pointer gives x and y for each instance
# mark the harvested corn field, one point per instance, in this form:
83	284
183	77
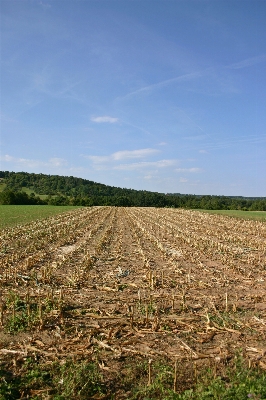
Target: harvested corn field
130	290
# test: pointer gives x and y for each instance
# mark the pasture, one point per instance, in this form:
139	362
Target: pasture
133	303
255	215
12	215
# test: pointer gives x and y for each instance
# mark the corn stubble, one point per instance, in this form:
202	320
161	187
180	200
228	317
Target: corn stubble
125	286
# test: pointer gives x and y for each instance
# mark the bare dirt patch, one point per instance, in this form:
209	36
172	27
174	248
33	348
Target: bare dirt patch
121	285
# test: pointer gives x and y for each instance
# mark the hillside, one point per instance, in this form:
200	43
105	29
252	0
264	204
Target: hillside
30	188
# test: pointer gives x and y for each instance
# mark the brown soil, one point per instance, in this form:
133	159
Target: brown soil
138	283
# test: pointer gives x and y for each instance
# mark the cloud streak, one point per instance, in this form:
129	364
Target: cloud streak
195	75
123	155
31	163
104	119
248	62
223	144
183	180
146	164
158	85
118	160
189	170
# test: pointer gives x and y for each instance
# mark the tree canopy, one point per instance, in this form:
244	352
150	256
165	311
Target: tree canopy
68	190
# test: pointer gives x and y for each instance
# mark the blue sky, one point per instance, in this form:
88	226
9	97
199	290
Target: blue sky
162	95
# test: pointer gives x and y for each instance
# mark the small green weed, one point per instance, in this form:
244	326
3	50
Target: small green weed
80	380
161	383
146	308
24	315
225	319
240	383
121	287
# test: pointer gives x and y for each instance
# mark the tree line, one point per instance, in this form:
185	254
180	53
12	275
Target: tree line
68	190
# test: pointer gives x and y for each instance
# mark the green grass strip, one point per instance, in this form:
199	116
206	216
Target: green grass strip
255	215
11	215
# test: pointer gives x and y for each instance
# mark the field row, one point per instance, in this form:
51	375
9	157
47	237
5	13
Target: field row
109	284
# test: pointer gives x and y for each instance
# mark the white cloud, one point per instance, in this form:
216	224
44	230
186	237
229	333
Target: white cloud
57	162
104	118
203	151
146	164
123	155
190	170
98	159
110	162
126	154
31	163
6	158
183	180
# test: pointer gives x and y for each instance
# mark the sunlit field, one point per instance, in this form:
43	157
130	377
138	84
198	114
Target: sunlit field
15	215
133	303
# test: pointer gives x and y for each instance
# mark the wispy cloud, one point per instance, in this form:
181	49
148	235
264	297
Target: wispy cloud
57	162
231	142
45	6
141	153
49	81
158	85
104	118
248	62
123	155
220	83
111	161
6	118
146	164
189	170
136	126
31	163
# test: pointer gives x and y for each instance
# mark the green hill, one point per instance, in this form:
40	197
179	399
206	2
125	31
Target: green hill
29	188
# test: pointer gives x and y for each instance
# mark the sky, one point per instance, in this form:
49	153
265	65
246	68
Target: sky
160	95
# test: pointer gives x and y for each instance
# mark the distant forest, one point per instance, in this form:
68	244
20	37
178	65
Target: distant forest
26	188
